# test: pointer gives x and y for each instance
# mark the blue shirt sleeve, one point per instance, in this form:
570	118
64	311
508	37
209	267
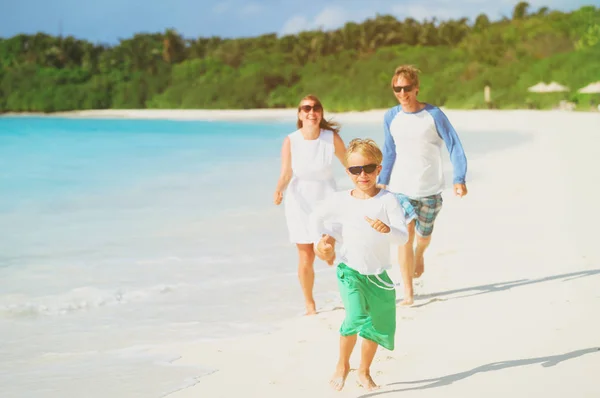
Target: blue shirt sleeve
448	134
389	147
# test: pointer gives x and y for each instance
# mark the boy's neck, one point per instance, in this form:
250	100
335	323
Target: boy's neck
366	194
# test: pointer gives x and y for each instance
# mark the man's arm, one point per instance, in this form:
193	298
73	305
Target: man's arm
448	134
389	148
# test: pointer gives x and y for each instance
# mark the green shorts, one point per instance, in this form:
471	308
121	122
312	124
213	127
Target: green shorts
370	306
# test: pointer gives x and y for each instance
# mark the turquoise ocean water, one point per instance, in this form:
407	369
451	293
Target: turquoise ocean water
119	236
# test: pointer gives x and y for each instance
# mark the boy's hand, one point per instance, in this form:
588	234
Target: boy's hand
325	250
378	225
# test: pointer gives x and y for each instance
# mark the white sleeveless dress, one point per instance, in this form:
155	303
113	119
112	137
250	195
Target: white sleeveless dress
312	181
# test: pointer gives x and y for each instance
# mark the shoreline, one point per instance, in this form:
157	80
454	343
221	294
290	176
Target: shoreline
281	114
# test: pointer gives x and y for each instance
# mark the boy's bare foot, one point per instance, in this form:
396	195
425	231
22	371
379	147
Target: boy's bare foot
365	380
311	309
339	377
419	266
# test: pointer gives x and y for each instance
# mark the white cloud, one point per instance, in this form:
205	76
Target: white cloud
329	18
448	9
295	24
420	12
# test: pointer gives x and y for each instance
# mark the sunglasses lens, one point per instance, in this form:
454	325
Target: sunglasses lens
307	108
407	89
370	168
356	170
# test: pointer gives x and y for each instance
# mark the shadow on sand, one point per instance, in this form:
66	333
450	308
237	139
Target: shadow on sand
442	381
497	287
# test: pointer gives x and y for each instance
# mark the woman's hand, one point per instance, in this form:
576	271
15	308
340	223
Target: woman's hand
277	197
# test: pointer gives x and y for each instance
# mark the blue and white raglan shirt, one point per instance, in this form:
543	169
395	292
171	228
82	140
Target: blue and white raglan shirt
412	151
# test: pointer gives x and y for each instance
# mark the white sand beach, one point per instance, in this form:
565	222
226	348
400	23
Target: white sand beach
508	304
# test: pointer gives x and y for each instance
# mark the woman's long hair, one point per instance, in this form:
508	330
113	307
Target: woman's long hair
324	124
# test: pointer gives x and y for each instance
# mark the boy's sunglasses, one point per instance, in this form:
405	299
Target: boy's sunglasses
368	168
407	89
307	108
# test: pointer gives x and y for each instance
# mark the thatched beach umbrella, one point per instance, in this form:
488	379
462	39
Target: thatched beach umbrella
552	87
592	88
555	87
538	88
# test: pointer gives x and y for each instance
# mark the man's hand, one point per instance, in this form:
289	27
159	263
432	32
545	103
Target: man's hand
378	225
460	190
325	249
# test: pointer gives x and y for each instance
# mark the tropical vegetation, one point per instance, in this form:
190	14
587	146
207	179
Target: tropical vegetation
348	68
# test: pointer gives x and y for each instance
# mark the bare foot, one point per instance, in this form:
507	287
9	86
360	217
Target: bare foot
407	302
408	297
311	309
365	380
419	266
339	377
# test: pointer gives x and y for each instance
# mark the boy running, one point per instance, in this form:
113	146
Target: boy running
371	219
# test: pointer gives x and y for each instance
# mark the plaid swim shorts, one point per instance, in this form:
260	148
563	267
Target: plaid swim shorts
424	210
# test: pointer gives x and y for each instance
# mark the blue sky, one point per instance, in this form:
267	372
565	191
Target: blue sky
105	21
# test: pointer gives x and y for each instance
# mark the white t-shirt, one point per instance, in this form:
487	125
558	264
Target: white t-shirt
412	151
359	245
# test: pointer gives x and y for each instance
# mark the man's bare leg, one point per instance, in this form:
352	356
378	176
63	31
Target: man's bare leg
306	275
342	369
422	244
406	260
368	350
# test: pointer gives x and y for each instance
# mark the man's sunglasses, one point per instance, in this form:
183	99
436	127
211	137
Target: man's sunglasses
307	108
368	168
407	89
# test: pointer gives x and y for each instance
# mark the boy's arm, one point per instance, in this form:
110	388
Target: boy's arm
324	244
325	249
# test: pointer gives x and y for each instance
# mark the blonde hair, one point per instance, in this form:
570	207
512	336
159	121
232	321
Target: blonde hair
324	124
366	147
409	72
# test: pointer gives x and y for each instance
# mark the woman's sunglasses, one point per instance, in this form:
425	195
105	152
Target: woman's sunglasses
368	168
407	89
307	108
